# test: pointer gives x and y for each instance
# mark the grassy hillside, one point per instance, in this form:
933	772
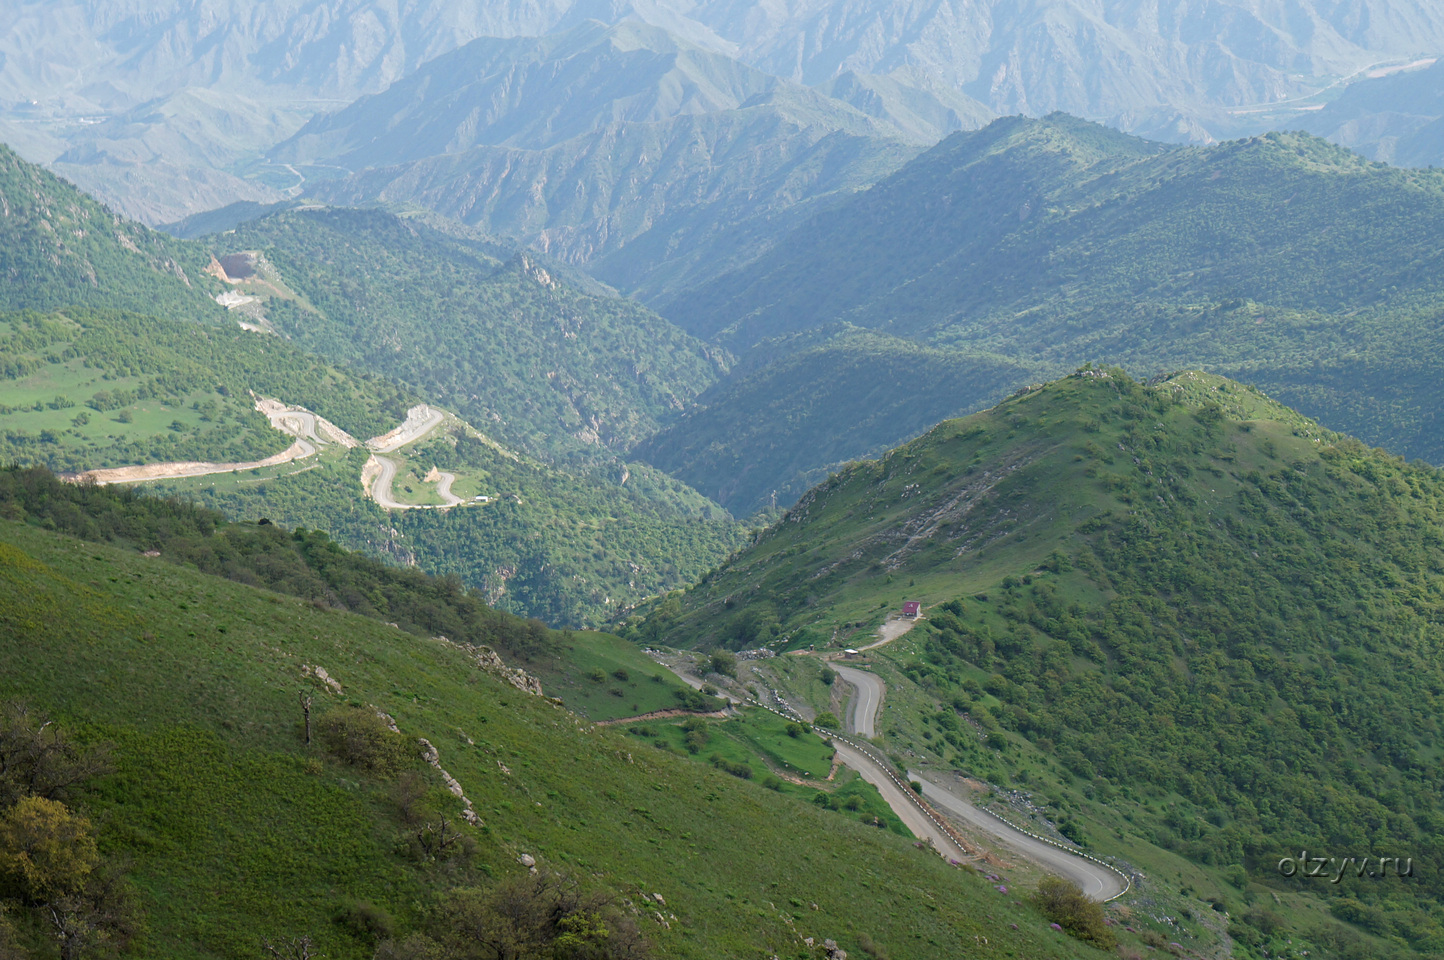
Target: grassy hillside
505	345
1279	260
88	388
1125	585
230	828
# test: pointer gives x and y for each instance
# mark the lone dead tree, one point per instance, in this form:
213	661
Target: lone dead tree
435	838
305	699
291	948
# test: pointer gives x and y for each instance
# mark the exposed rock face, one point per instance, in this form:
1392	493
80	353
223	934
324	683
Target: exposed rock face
431	756
320	673
489	661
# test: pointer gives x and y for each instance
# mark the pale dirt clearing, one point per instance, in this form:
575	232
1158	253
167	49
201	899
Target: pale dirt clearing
891	630
420	420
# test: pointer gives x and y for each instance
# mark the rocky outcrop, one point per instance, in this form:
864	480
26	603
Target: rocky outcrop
491	662
431	756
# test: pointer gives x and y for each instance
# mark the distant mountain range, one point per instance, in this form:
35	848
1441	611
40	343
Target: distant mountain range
150	122
1281	259
600	139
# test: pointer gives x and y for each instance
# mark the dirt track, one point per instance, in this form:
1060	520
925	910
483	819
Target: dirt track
311	433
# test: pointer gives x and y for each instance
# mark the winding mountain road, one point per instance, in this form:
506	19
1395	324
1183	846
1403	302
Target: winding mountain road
1096	880
311	433
897	798
868	689
379	486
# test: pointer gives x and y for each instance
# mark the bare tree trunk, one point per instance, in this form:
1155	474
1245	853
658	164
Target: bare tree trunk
306	712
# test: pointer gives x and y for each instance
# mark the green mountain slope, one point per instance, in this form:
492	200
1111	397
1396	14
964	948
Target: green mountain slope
560	372
796	408
505	345
1128	588
1280	260
232	829
85	389
59	248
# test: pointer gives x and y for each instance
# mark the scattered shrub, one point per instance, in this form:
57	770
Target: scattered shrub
724	663
1065	904
359	738
365	920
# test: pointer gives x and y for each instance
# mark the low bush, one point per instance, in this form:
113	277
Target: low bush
359	738
1065	904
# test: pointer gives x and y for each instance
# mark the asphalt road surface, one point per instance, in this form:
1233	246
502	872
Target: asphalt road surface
1098	882
866	700
907	811
381	488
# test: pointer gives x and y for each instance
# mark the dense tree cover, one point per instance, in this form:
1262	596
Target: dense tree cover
571	546
61	248
797	408
507	346
1222	619
1279	260
106	366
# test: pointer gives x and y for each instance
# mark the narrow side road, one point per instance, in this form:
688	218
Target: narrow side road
1096	880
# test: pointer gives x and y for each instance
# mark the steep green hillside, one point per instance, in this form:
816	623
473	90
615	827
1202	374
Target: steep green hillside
231	830
795	408
505	345
1189	620
59	248
1280	260
88	388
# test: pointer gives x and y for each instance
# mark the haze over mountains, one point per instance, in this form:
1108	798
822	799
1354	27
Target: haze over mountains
753	334
152	121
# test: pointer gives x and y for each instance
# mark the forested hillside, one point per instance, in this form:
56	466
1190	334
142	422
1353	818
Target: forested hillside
573	546
1123	582
507	345
802	406
1280	260
59	247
